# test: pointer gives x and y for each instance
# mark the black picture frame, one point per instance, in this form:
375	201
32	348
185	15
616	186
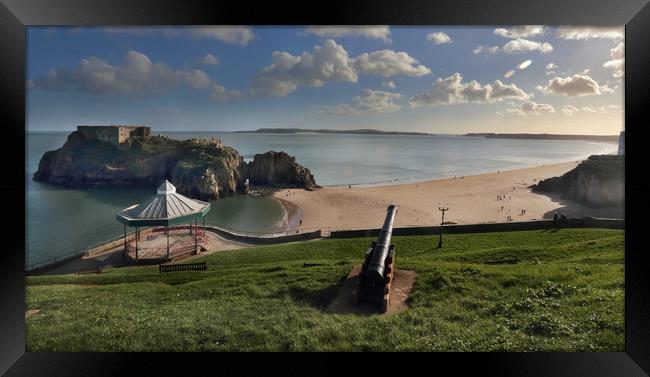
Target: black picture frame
15	15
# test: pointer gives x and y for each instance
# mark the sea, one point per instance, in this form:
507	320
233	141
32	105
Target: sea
61	221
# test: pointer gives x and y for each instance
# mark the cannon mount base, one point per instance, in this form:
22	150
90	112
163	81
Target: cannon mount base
381	295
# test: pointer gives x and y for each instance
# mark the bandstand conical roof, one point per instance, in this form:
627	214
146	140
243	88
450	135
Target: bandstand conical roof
165	208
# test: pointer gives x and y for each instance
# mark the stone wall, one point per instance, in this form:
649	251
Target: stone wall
114	134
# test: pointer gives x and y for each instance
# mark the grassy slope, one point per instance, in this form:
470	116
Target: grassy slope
566	293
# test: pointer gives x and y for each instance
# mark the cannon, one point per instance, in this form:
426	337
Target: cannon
376	271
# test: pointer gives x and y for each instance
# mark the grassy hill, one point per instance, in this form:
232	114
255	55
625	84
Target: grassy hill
565	293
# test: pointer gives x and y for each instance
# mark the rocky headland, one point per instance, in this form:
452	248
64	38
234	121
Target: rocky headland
598	181
201	168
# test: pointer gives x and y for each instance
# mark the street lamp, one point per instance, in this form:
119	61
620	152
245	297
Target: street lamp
442	224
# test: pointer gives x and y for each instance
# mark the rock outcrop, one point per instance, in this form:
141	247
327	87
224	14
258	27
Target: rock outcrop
598	181
200	168
278	169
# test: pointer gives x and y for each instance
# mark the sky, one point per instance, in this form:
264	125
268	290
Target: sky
448	80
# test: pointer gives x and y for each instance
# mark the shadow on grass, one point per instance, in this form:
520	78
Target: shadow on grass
316	298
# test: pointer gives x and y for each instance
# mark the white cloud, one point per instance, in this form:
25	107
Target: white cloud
239	35
452	90
368	102
221	94
537	108
208	59
372	32
389	84
520	45
509	73
486	49
618	52
576	85
330	62
569	110
589	32
551	66
606	89
439	38
550	73
618	60
532	108
388	63
594	110
136	74
525	64
522	31
143	31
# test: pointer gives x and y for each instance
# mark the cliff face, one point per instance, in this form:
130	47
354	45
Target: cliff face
278	169
200	168
599	181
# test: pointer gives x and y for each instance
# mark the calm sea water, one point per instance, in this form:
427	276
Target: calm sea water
60	220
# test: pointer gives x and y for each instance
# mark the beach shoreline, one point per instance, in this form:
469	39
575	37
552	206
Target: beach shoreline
292	213
481	198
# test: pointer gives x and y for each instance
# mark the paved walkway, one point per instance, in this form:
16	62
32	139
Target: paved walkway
157	245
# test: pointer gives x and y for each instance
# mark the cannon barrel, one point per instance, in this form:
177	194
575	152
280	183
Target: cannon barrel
377	263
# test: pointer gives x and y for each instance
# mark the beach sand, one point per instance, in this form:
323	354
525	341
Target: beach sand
471	199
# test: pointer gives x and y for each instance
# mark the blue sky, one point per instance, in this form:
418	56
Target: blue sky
427	79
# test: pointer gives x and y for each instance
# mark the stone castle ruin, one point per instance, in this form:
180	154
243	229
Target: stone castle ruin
114	134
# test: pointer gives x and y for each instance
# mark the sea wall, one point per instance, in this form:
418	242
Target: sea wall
265	239
589	222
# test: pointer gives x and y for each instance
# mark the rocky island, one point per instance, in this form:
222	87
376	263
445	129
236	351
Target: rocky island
598	181
129	156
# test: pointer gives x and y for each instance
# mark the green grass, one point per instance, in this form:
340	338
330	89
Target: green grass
565	293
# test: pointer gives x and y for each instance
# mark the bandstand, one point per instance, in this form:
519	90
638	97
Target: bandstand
166	209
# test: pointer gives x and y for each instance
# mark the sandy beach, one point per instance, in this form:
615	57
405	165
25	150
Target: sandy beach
471	199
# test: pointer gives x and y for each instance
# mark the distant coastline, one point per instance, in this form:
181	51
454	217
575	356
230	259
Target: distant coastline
610	138
368	131
364	131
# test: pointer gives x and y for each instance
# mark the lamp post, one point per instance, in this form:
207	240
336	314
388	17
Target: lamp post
442	224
